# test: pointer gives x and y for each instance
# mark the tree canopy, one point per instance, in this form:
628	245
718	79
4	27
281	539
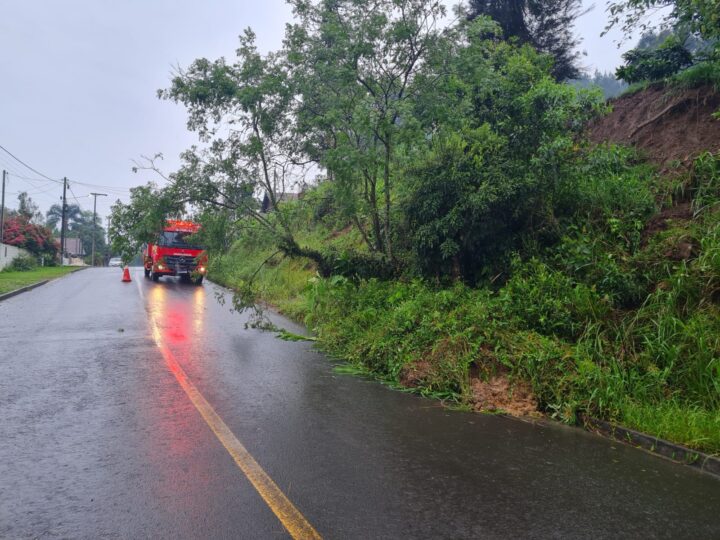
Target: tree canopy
547	25
699	16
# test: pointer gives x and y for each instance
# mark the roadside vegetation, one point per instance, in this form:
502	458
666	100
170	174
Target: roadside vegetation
456	233
12	279
37	234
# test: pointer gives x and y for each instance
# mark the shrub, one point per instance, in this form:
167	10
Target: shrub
23	263
21	232
652	65
588	259
550	302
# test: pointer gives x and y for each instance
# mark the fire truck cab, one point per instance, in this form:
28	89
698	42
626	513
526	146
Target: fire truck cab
173	254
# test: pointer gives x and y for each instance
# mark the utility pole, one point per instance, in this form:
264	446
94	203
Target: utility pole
2	209
62	226
95	195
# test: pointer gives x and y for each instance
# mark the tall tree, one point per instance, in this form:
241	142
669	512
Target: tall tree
356	62
54	215
244	110
29	209
545	24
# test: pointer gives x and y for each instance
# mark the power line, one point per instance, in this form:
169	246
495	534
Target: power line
7	166
110	188
45	177
33	182
30	178
8	152
113	190
74	197
32	193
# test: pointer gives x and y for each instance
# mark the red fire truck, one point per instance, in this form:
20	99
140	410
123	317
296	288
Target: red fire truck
173	254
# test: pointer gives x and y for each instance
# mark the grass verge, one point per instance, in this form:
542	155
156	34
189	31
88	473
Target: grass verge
10	281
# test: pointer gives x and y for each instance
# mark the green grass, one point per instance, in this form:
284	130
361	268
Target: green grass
698	75
694	427
634	88
10	281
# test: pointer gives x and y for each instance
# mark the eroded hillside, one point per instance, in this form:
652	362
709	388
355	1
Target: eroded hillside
670	126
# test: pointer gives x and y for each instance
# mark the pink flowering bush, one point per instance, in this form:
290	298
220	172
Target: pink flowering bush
38	240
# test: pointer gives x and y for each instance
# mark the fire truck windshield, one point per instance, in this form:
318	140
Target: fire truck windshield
176	239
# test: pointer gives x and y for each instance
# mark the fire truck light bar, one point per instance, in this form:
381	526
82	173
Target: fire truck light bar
180	225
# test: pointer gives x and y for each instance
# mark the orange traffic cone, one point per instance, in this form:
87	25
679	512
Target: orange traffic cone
126	275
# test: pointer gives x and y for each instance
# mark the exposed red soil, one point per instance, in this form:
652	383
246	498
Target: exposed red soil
670	126
498	393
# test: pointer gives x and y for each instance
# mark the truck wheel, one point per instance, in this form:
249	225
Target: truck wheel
147	272
198	280
155	277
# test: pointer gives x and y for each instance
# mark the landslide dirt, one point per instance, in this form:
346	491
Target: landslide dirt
670	126
498	394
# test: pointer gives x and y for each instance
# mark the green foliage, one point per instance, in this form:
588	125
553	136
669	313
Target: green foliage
22	263
359	66
549	301
699	16
390	326
694	426
706	183
657	64
73	215
598	322
138	222
79	224
546	24
700	74
507	173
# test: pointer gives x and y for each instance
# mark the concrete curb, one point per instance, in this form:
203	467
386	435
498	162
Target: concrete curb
674	452
23	289
35	285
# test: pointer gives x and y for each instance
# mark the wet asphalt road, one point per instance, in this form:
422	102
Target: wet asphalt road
98	439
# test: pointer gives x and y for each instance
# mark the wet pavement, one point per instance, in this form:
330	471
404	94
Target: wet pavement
99	440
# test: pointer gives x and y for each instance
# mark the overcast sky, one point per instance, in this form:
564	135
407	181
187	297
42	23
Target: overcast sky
78	82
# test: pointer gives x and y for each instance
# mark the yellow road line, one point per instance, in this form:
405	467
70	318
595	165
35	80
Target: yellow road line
289	516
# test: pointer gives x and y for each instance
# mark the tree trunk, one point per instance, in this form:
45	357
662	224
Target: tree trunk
388	241
290	247
375	215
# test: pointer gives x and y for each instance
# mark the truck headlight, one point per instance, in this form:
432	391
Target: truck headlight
201	269
160	266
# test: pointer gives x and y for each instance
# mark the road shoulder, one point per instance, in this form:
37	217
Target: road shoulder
34	285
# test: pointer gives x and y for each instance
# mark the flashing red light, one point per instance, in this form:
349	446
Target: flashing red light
181	225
